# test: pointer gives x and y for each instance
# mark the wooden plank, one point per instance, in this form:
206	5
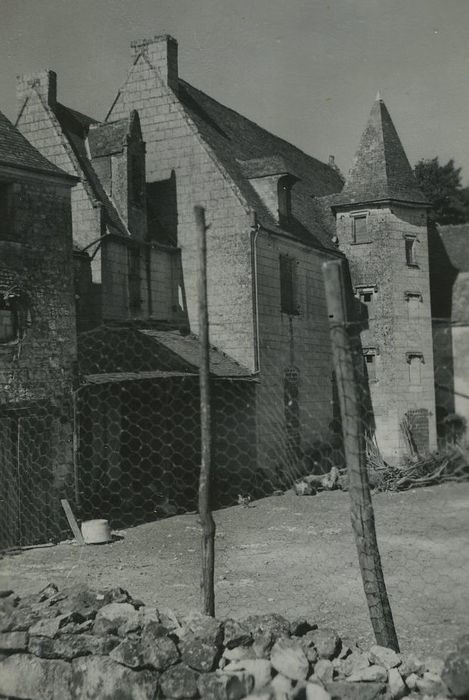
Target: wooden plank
72	521
205	513
363	521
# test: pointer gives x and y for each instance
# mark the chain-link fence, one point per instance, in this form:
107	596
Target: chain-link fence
122	442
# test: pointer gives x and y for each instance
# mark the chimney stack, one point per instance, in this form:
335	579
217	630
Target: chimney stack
162	54
44	82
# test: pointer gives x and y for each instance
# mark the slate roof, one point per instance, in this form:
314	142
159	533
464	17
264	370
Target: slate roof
455	239
187	347
129	350
75	127
17	152
236	140
381	170
108	138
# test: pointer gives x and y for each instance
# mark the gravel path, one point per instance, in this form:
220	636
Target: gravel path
293	555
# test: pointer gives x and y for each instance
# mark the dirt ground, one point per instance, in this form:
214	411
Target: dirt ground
289	554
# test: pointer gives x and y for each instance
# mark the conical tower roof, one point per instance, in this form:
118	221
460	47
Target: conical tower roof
381	170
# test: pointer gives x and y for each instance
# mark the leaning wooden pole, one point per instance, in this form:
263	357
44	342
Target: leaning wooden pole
363	521
205	513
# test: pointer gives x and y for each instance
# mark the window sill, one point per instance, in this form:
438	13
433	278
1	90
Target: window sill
361	242
415	266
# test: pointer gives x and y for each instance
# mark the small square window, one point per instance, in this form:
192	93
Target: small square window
360	229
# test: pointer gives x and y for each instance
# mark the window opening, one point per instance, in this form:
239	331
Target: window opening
415	361
360	229
410	252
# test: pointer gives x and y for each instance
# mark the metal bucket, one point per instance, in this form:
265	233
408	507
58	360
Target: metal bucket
96	531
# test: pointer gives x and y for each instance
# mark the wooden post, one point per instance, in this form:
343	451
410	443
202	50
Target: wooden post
363	521
205	514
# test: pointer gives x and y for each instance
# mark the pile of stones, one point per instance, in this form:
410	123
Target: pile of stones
82	643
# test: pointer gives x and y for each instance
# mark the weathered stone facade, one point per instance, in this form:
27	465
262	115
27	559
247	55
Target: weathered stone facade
382	229
38	337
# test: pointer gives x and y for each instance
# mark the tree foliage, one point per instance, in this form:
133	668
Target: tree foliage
443	188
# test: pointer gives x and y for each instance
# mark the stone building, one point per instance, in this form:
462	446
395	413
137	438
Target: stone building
37	339
275	215
382	229
449	275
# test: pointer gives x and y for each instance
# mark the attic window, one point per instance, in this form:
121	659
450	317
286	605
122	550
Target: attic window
288	285
360	231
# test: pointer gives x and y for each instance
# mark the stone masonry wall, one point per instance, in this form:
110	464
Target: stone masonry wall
396	324
300	341
173	144
38	259
37	122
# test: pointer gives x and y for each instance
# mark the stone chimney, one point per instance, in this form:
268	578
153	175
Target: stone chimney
44	82
162	53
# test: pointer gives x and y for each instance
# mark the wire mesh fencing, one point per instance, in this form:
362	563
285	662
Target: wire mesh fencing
122	442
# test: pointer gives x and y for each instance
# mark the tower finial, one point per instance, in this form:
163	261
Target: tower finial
378	97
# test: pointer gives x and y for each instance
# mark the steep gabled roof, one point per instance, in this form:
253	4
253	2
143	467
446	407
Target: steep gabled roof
235	140
17	152
381	170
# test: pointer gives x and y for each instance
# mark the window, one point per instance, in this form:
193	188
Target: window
136	183
414	301
8	321
288	292
369	359
410	252
135	301
415	361
366	294
360	229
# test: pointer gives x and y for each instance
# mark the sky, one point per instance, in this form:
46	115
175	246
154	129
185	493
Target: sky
307	70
